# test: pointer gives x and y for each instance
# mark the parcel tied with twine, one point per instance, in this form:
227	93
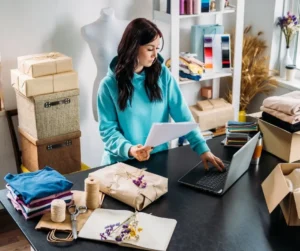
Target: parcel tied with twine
135	187
44	64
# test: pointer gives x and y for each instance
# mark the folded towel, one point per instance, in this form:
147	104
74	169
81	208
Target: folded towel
288	103
292	119
39	184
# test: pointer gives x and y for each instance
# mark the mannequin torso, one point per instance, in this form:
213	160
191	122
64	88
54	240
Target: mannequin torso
103	37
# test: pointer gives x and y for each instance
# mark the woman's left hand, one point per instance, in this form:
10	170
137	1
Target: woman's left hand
209	157
140	152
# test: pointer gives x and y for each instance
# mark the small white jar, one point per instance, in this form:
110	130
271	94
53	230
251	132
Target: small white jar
290	72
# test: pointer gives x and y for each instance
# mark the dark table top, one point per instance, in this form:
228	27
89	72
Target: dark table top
239	220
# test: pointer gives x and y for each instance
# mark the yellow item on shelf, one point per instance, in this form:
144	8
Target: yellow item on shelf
193	67
83	168
242	116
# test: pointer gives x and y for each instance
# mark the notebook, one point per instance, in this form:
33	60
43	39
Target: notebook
156	233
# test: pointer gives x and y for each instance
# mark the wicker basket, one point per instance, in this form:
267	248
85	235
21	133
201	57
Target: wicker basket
49	115
62	153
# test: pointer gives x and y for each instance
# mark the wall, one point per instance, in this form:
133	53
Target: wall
45	26
39	26
20	35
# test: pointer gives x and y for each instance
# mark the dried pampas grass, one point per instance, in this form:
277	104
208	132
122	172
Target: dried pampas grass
255	72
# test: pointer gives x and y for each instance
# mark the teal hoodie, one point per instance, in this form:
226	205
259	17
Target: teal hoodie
121	130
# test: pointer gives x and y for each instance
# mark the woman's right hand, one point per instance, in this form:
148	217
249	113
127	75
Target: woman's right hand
140	152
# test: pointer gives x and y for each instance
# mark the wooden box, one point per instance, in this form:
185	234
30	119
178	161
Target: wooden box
62	153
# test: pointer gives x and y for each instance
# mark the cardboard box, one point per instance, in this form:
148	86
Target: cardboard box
210	104
213	118
44	64
49	115
206	92
277	192
62	153
30	87
281	143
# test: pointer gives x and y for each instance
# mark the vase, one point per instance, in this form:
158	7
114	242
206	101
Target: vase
242	116
287	60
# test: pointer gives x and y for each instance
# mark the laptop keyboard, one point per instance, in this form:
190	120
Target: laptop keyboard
213	179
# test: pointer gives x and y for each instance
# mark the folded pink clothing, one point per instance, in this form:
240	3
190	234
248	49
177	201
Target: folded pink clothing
19	208
38	202
288	103
33	209
292	119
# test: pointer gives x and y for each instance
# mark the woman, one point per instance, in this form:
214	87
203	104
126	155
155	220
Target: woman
138	91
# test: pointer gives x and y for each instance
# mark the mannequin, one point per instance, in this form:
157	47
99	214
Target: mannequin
103	37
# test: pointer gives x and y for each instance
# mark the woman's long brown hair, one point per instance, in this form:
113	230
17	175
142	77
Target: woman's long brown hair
139	32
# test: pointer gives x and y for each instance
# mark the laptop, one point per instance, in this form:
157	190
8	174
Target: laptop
216	182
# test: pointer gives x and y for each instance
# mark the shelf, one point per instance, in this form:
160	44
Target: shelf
208	13
166	18
290	85
208	76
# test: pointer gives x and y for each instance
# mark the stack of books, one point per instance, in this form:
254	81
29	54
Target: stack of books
235	126
238	133
236	139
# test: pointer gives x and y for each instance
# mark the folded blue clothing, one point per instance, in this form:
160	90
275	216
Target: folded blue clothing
39	184
189	76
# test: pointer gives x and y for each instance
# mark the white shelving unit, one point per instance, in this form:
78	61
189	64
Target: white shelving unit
173	20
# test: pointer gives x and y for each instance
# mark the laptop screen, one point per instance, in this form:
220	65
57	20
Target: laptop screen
241	161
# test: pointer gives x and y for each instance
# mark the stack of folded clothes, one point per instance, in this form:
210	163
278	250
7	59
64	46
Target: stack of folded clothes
189	67
32	193
238	133
283	111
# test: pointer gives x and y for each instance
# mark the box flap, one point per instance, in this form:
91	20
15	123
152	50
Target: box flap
275	188
276	140
297	200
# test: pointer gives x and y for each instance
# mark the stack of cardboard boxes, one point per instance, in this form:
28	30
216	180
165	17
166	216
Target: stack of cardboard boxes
48	111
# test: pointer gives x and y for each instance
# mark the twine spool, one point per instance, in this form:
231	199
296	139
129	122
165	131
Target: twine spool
91	188
58	210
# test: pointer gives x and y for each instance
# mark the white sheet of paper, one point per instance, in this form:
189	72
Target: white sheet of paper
161	133
156	233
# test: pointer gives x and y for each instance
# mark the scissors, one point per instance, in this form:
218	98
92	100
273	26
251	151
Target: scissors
75	211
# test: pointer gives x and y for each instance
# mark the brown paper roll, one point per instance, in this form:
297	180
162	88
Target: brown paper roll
91	188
